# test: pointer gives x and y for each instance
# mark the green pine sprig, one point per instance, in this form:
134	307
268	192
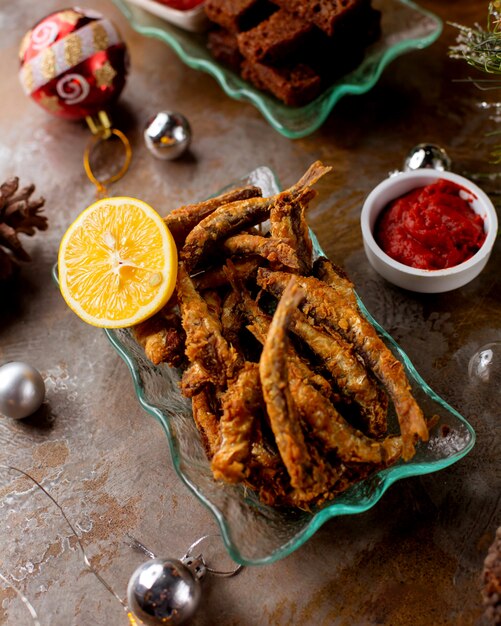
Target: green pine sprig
481	47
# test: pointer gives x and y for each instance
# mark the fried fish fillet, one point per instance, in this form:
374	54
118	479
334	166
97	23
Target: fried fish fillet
183	219
278	426
235	216
324	304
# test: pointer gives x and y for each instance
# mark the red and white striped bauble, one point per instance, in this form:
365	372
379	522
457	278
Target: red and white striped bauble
73	63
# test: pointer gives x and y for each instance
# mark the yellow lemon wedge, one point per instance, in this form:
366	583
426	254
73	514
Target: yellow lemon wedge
117	263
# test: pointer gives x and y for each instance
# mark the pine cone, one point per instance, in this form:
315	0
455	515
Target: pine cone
492	581
18	214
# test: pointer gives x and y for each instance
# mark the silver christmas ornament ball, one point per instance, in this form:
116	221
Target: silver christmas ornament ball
163	591
427	155
22	390
485	367
167	135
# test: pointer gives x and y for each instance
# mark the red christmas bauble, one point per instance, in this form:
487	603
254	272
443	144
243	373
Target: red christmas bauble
73	63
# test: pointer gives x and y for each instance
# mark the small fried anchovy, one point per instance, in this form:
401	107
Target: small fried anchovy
206	421
162	337
235	216
259	326
348	372
182	220
282	412
216	277
287	222
204	342
327	307
240	404
336	278
194	378
332	429
276	251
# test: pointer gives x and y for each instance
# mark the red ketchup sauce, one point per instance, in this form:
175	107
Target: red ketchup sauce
431	227
181	5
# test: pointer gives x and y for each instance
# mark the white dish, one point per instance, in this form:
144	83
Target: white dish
420	280
193	20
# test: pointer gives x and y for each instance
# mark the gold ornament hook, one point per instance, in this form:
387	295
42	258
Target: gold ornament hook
101	129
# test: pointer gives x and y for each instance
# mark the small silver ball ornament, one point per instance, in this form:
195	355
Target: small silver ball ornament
167	135
485	367
164	591
427	155
22	389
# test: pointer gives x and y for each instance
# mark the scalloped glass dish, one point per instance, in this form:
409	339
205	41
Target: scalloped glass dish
252	532
405	27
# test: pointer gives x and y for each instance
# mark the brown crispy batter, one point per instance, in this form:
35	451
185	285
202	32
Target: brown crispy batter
183	219
162	337
276	251
216	277
206	421
240	405
326	307
337	279
194	378
232	319
204	341
214	302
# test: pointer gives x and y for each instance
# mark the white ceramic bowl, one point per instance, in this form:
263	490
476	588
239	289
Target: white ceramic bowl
425	281
193	20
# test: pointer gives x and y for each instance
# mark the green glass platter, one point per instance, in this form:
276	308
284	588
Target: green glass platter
252	532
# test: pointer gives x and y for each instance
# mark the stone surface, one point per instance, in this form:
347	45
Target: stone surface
413	560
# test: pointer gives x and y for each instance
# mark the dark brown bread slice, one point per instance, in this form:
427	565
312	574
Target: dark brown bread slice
333	57
238	15
328	15
224	48
275	39
295	86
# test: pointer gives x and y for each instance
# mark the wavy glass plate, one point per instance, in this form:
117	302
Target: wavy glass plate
405	27
252	532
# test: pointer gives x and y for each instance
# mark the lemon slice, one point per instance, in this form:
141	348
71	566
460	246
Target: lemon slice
117	263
